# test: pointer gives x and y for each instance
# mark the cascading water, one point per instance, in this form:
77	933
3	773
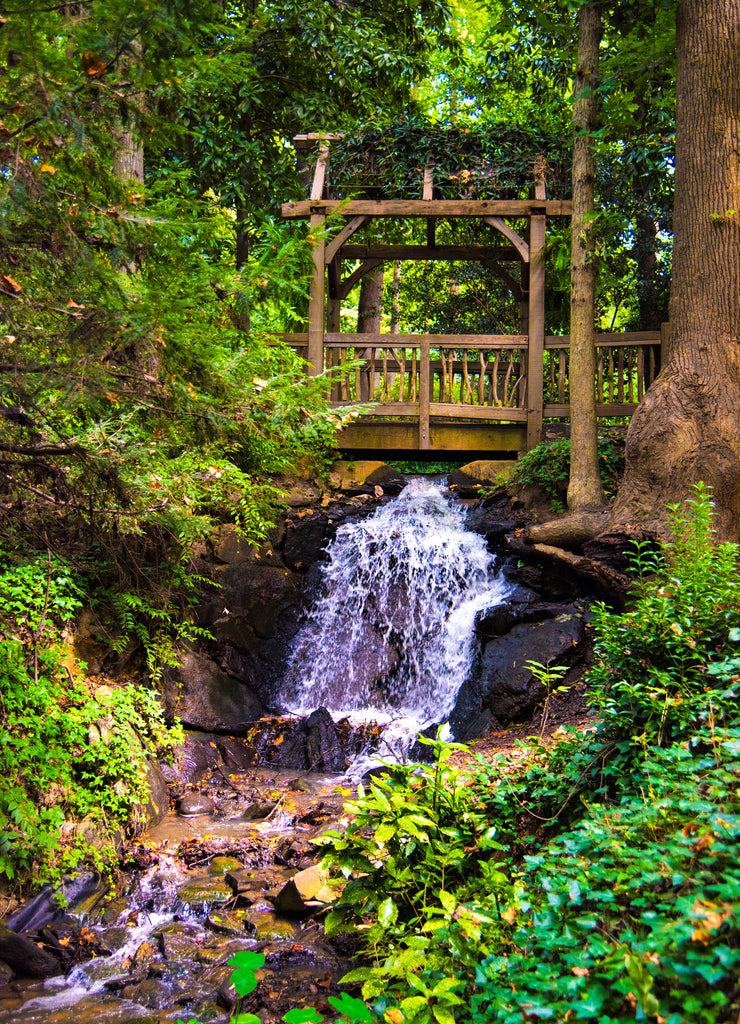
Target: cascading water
391	640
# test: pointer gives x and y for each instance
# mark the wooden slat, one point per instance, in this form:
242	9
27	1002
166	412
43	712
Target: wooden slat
319	175
430	207
536	350
603	409
316	297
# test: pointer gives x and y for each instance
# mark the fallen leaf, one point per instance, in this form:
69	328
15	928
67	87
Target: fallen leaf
47	169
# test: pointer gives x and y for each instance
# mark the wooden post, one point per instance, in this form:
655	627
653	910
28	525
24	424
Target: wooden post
317	289
316	295
536	352
424	396
428	193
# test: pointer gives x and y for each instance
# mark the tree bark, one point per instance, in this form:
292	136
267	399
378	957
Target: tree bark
369	321
686	428
584	487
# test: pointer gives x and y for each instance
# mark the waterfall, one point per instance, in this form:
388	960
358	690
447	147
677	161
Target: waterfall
391	640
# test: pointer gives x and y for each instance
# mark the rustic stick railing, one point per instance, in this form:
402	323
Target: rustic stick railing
482	377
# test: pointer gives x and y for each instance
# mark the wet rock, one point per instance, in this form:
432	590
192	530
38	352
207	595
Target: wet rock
150	993
192	804
258	810
47	904
178	948
6	973
205	891
269	927
24	957
227	922
521	605
235	752
305	891
509	688
204	697
491	529
306	541
323	747
390	480
220	865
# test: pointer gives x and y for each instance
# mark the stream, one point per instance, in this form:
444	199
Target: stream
386	646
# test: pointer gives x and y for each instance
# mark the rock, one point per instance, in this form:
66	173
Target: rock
259	809
269	927
306	541
323	746
220	865
388	479
191	804
150	992
509	689
468	480
159	795
204	892
305	891
204	697
352	477
227	923
235	752
24	957
45	906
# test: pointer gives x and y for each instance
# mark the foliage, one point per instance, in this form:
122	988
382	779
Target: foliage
548	466
659	663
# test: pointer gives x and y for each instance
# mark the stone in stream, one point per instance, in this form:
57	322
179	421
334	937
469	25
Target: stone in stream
305	891
220	865
24	957
205	891
191	804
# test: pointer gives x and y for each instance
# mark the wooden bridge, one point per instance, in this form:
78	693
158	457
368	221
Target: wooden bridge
443	392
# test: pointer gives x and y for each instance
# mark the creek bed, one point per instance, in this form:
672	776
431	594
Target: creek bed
206	887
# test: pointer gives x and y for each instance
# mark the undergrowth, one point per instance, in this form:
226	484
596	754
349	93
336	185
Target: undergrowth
73	763
548	466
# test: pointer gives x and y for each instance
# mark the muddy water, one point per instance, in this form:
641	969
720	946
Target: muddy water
207	887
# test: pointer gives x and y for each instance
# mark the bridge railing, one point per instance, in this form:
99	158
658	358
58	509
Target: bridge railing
479	377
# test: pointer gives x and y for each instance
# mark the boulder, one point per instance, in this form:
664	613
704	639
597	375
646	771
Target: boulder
24	957
323	746
508	687
469	480
191	804
204	697
305	891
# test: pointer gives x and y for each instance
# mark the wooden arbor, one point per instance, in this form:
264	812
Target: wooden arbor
451	392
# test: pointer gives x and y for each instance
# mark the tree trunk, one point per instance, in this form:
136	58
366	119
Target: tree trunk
686	428
584	487
369	320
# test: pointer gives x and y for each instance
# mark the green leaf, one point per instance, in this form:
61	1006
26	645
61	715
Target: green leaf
246	958
387	913
303	1015
354	1009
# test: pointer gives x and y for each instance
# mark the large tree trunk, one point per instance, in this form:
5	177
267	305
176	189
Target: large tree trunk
369	321
687	427
584	486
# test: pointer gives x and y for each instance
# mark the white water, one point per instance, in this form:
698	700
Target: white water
392	639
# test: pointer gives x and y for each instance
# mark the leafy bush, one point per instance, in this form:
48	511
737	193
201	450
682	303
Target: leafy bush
548	466
662	666
72	764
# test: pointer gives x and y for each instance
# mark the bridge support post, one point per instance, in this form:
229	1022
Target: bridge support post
424	394
536	352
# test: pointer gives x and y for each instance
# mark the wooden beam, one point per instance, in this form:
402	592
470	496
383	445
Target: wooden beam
535	358
347	286
309	140
383	435
482	341
518	242
316	297
467	253
347	231
319	175
430	208
612	339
